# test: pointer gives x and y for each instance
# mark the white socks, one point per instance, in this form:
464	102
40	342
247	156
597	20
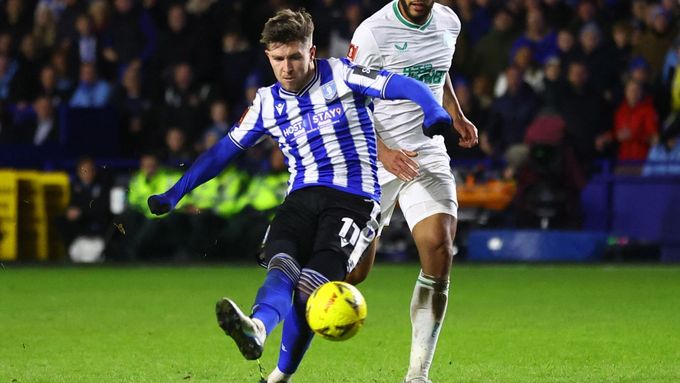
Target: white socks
278	377
428	307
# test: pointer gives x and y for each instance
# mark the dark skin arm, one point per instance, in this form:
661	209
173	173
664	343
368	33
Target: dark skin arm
399	161
464	127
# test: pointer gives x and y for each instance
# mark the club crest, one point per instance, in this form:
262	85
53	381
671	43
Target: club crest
329	91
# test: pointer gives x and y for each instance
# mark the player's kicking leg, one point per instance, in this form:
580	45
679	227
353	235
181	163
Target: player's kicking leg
434	239
249	334
272	303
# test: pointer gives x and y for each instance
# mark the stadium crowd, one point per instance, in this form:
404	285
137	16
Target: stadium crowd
552	85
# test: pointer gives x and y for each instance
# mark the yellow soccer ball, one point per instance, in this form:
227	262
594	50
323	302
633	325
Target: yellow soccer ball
336	311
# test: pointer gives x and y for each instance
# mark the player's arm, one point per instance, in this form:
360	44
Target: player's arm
391	86
465	127
211	163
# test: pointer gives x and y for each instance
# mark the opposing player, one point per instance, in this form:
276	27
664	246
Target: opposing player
319	113
416	38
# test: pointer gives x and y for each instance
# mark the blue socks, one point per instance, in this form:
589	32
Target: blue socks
296	337
274	298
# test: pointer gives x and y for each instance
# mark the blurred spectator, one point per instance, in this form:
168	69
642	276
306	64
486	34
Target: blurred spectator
585	113
158	10
327	14
177	43
482	90
6	44
636	125
598	59
100	14
538	36
45	129
473	111
237	61
256	14
63	74
640	72
566	45
133	107
480	20
25	83
184	101
55	6
493	49
621	35
143	235
671	6
341	32
250	87
8	69
16	18
176	153
203	222
44	29
88	214
130	36
510	114
553	86
638	11
664	157
219	116
90	92
241	235
655	41
587	13
66	24
557	13
86	47
522	60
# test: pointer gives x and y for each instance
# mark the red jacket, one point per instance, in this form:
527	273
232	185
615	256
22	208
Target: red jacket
643	122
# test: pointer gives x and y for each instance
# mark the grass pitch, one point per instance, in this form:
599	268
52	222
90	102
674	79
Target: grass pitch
504	324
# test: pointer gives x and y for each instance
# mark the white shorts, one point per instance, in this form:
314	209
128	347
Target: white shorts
432	192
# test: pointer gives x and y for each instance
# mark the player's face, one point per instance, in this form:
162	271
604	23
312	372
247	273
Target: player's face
292	63
416	11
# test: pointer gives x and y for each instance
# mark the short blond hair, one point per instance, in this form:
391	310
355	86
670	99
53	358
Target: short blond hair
288	26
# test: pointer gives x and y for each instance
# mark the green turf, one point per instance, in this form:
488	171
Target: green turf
504	324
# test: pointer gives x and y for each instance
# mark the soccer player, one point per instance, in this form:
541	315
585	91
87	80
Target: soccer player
416	38
319	112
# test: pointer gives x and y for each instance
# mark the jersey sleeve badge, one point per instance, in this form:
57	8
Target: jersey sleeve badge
352	52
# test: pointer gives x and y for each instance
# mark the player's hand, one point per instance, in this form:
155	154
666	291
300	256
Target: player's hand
437	122
159	204
399	163
468	132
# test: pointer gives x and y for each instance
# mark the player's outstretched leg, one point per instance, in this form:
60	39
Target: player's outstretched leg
249	334
272	304
434	239
297	335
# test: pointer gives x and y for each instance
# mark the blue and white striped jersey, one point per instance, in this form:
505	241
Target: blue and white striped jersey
325	130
